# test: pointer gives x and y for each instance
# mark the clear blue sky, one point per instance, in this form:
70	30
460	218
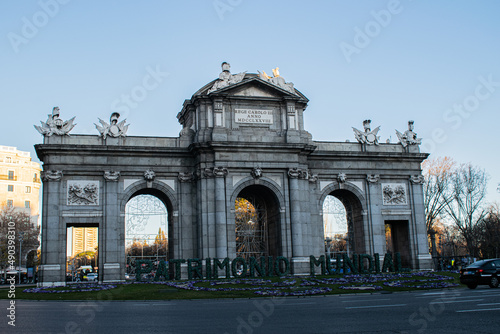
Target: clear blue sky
436	62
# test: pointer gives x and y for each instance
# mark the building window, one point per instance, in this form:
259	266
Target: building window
28	189
10	204
8	159
11	175
10	188
27	204
35	177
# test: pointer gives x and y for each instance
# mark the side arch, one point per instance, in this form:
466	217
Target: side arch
165	194
354	202
158	189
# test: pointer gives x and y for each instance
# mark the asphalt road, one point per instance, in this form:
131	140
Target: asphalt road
457	310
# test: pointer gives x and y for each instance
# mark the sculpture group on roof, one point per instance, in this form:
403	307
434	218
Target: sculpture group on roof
370	136
277	80
114	129
226	79
408	137
55	125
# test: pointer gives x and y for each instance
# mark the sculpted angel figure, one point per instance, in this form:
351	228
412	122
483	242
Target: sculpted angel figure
114	129
277	80
55	125
408	137
226	78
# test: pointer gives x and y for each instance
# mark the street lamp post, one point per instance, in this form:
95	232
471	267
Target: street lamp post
21	237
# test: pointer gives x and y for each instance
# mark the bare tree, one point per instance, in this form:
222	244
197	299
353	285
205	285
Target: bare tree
13	223
466	209
437	192
488	233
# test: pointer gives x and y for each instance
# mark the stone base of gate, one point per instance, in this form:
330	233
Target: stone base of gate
51	275
425	262
300	266
111	273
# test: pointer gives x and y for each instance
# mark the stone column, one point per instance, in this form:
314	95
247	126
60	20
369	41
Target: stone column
295	212
53	268
374	216
111	233
418	228
220	211
188	233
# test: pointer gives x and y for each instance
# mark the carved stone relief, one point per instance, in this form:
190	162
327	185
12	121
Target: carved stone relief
149	175
342	177
394	193
256	172
83	192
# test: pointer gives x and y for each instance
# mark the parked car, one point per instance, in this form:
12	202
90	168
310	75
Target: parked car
483	272
91	277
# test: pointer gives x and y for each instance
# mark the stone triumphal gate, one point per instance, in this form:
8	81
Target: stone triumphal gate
242	136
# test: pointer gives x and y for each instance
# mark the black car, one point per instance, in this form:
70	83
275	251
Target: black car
484	272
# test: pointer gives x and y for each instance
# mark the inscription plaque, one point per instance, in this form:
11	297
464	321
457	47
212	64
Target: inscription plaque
253	116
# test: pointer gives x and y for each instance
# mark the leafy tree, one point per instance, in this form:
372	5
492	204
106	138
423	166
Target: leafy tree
161	243
87	258
15	219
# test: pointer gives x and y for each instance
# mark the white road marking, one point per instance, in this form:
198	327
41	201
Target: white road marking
375	306
479	310
287	304
455	301
488	304
363	300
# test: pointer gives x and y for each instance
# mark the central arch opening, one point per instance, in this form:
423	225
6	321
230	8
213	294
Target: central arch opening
257	220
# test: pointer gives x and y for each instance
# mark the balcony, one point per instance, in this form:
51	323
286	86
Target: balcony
6	177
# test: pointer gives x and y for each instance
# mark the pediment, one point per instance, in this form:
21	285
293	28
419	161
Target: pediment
256	88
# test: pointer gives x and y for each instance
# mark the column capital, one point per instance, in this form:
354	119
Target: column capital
111	175
51	175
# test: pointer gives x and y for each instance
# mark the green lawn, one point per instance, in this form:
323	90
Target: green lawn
245	288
